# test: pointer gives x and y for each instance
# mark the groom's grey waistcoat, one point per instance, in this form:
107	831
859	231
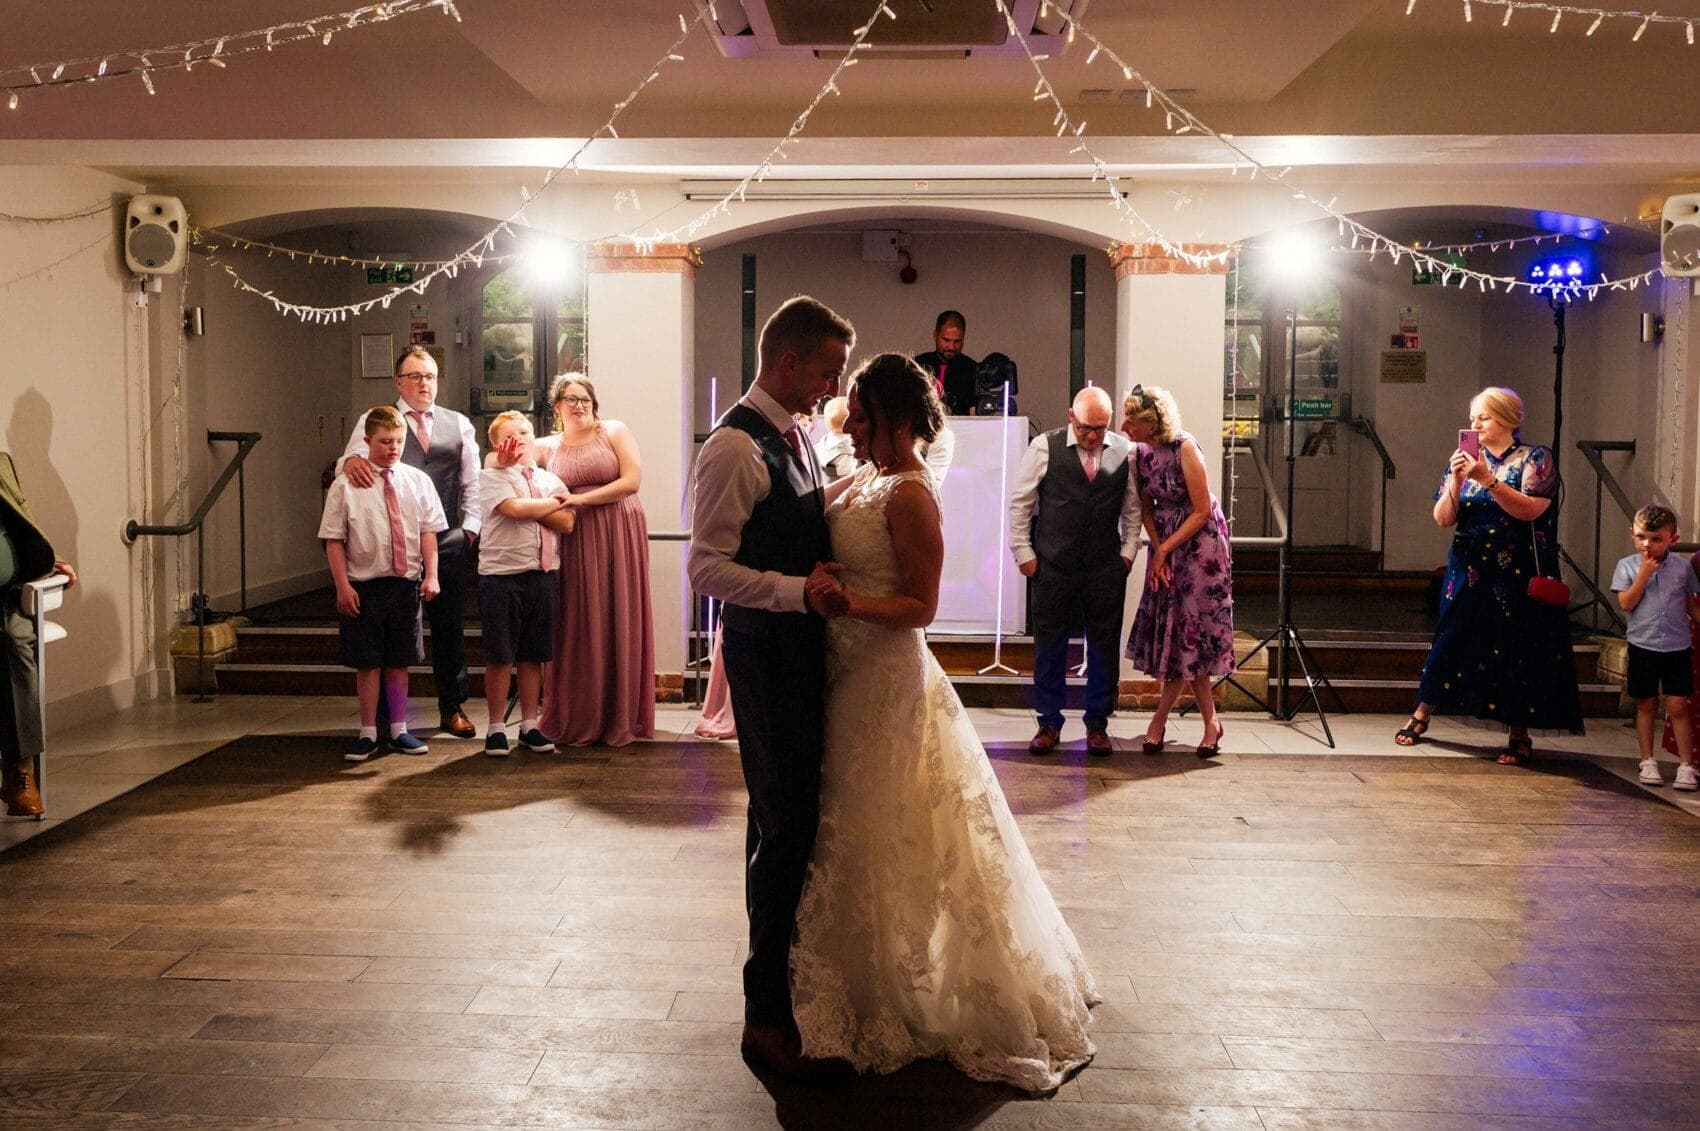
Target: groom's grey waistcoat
1078	525
787	531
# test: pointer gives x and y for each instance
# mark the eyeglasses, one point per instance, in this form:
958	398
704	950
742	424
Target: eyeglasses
416	378
575	402
1092	429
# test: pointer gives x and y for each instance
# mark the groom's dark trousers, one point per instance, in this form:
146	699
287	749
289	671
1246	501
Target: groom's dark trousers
776	668
778	686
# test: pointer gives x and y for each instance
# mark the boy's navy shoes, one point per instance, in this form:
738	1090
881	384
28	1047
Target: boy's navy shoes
362	749
496	744
406	743
535	739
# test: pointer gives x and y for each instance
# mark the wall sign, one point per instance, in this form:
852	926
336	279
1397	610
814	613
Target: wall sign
1404	367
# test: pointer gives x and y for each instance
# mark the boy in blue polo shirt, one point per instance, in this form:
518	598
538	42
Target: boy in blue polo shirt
1660	592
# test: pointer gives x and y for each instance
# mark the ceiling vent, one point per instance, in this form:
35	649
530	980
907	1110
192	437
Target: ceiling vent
923	29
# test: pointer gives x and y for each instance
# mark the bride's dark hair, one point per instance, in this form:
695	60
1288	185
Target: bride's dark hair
893	386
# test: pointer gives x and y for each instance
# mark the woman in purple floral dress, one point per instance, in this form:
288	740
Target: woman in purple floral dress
1183	634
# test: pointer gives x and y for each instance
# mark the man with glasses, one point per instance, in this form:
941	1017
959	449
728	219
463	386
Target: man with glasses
1074	529
441	443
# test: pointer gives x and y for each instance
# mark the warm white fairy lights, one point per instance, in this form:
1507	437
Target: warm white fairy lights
686	231
208	238
1043	91
1595	16
82	214
1178	119
482	249
143	63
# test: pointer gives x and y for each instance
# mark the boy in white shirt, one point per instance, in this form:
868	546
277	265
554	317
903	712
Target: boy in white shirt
382	549
1659	591
518	586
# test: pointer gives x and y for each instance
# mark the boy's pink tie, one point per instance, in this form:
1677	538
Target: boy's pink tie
398	533
421	429
545	537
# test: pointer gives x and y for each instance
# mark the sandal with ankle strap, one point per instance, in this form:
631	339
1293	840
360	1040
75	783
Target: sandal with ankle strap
1518	751
1412	732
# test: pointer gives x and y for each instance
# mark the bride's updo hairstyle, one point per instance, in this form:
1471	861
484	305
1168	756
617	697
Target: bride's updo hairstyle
891	386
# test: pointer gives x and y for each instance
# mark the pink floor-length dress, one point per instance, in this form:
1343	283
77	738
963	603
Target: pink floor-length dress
601	686
716	719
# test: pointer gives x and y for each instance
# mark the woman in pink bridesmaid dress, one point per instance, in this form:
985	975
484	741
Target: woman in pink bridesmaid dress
601	685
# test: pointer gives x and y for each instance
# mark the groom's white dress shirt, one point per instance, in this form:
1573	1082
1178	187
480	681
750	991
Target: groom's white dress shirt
732	478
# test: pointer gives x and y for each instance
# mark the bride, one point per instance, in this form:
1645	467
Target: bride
925	929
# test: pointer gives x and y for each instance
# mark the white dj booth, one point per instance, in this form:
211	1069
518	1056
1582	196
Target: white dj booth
975	499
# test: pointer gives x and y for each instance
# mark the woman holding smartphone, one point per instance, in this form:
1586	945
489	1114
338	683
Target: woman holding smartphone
1499	655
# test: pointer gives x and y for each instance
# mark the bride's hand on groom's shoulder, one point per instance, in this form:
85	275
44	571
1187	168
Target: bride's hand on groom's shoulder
825	593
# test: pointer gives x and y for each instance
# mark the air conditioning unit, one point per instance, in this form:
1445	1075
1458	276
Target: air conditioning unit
928	29
156	235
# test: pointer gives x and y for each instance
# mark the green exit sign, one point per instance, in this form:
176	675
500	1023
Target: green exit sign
1313	408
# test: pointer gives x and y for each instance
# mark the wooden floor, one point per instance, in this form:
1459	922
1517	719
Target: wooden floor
266	937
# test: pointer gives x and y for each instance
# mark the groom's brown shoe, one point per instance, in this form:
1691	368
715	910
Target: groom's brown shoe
1045	741
779	1050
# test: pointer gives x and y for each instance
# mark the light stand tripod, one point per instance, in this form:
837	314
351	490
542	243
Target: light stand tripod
1284	640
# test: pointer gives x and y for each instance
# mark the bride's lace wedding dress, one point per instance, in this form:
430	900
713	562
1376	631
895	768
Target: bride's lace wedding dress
925	929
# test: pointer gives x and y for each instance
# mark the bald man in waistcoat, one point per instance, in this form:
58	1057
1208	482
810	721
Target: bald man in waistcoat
1074	529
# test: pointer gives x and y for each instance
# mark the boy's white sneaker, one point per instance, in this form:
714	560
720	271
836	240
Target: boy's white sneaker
1650	774
1686	778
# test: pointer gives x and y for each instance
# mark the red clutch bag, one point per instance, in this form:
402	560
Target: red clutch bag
1549	592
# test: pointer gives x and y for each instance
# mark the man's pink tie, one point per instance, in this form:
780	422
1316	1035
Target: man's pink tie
398	533
545	537
795	437
1091	465
422	429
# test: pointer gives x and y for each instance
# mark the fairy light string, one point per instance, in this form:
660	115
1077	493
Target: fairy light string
18	80
481	251
1179	120
1044	91
1595	16
483	248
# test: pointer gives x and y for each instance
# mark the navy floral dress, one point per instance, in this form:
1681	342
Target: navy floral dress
1498	655
1185	629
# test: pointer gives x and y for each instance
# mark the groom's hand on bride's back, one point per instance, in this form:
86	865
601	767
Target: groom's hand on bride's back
825	594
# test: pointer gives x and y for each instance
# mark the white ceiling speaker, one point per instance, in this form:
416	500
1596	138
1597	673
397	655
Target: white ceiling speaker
156	235
1679	235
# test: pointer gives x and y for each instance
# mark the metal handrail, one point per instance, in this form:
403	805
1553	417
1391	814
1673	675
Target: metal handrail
1593	451
244	442
1270	496
1366	428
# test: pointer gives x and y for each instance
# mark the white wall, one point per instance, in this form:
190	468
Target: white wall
1013	287
77	406
258	371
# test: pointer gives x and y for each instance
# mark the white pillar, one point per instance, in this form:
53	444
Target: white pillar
639	351
1170	319
1170	331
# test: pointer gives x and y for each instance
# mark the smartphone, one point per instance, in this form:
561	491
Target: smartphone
1470	443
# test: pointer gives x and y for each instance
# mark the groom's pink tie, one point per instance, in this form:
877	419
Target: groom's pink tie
1091	465
795	437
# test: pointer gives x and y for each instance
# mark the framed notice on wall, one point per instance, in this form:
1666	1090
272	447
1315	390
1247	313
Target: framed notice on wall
377	356
1404	367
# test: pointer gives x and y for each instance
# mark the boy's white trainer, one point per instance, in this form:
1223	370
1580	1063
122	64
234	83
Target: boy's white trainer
1650	774
1686	778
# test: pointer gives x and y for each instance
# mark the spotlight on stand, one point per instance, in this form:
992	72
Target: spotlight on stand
1295	258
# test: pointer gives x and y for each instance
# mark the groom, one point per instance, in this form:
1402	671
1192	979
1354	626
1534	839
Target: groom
758	531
